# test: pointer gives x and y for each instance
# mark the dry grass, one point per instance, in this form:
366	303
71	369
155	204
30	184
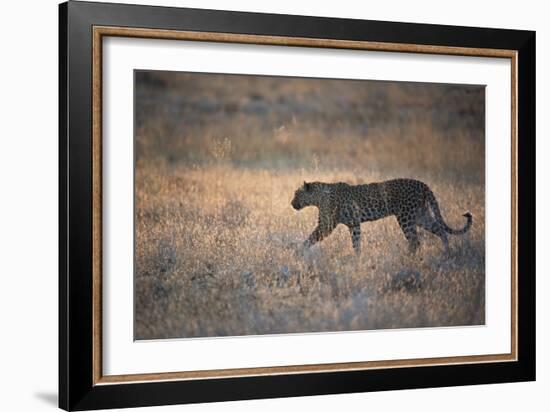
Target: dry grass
218	246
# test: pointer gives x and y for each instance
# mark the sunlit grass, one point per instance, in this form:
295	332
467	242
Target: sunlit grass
219	248
219	253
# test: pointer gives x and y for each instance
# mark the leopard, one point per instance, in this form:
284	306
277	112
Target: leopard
411	201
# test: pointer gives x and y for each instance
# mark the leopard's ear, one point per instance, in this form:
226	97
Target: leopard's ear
307	185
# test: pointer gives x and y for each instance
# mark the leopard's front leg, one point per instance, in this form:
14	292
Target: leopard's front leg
322	230
355	232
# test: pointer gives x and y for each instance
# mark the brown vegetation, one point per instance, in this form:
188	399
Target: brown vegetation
218	246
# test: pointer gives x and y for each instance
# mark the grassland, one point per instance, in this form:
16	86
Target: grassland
218	246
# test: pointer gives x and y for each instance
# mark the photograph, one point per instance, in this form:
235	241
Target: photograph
274	205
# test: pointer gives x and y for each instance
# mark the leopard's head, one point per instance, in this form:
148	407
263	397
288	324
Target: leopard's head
307	195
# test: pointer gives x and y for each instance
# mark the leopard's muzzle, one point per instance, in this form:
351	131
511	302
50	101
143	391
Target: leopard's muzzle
296	204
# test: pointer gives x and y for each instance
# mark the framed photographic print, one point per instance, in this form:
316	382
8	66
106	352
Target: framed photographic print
257	205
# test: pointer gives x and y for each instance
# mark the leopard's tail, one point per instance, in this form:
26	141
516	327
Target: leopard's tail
435	208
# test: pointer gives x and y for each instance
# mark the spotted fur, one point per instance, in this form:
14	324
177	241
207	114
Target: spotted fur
412	202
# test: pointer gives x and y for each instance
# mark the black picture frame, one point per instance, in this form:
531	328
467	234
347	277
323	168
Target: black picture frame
77	390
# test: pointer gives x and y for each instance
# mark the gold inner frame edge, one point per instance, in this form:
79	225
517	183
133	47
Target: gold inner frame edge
99	32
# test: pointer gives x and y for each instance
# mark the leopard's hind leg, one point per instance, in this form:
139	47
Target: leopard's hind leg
407	223
427	222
